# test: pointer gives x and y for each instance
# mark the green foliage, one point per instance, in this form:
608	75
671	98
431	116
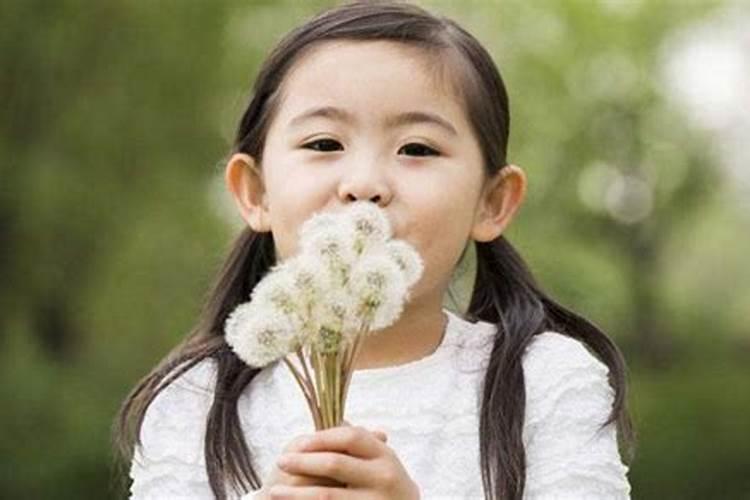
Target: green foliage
693	431
117	120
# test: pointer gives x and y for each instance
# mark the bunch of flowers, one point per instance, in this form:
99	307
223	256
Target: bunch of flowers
349	278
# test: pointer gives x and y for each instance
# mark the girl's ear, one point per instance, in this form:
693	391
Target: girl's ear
244	179
501	197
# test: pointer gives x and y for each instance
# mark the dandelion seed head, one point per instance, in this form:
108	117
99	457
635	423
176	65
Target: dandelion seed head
378	288
317	223
370	225
309	278
408	260
348	275
328	340
330	247
257	336
276	290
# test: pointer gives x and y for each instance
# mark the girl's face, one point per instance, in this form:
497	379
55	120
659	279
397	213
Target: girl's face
366	121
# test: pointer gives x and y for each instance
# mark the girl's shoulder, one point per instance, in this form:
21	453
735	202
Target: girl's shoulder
561	372
570	453
170	462
552	351
177	414
547	354
547	351
192	385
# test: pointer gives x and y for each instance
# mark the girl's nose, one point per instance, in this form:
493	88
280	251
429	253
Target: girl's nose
365	184
374	199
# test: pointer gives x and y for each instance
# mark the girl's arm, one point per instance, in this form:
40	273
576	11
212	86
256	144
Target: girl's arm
170	463
567	398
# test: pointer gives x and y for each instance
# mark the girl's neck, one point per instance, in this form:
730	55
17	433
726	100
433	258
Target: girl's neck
417	334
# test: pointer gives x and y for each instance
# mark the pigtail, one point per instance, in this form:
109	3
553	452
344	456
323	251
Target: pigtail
506	294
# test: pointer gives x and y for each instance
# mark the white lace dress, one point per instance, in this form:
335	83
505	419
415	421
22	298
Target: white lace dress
428	409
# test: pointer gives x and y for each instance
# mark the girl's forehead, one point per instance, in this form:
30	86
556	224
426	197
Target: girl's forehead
369	77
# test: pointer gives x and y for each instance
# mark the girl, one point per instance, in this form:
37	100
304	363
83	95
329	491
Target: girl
517	398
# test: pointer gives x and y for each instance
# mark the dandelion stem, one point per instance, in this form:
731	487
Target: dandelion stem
323	389
304	388
337	385
318	384
353	352
331	399
311	386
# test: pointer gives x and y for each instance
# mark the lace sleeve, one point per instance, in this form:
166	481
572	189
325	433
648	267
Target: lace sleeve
170	463
568	397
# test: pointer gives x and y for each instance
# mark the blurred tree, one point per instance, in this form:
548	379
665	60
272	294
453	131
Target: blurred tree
107	134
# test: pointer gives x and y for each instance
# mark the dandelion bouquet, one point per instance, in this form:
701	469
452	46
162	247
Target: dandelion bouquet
349	278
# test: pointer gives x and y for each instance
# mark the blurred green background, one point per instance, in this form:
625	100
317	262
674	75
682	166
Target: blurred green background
631	118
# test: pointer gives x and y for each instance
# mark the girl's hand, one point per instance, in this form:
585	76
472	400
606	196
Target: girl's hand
280	477
352	455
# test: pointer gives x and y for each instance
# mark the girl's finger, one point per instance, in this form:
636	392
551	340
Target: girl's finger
338	466
353	440
379	433
308	480
295	492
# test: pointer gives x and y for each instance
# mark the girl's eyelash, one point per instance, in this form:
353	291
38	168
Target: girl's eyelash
329	142
314	145
422	147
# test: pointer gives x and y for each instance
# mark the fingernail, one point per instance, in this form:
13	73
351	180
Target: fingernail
305	442
284	461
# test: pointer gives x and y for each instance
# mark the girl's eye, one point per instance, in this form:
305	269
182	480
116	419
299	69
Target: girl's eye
417	149
411	149
323	145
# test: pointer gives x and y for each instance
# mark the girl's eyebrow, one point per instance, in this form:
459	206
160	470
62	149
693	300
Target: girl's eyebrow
397	120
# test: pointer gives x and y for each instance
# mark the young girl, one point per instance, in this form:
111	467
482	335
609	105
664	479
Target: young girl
517	398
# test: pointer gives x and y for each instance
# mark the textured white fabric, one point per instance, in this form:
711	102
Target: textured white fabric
429	409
